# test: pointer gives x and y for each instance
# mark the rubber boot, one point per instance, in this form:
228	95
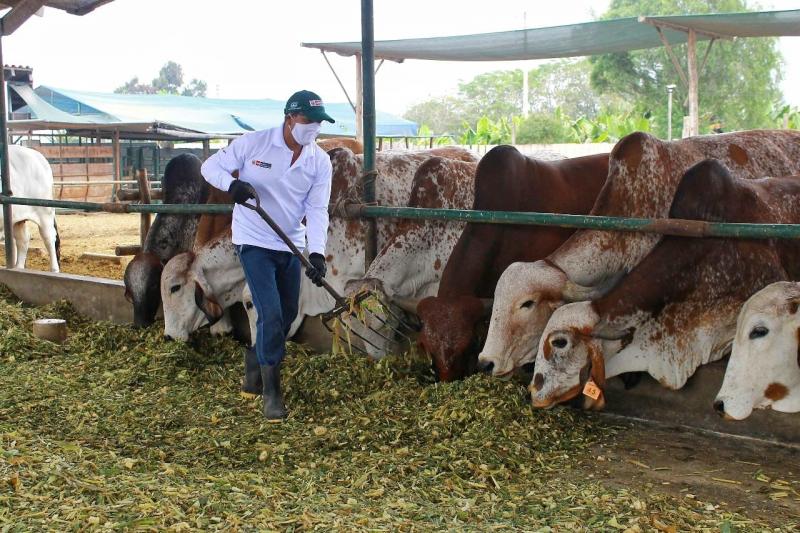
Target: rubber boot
274	408
251	383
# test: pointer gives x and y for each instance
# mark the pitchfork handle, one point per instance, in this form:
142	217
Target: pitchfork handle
296	251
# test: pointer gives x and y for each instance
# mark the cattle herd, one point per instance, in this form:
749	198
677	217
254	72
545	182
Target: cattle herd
571	308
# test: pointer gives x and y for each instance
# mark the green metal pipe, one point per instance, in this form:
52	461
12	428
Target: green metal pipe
114	207
663	226
5	177
368	118
683	228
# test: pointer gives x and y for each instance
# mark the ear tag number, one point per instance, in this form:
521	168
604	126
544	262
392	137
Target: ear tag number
592	390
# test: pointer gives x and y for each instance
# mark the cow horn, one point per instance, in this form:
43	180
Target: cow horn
408	305
574	292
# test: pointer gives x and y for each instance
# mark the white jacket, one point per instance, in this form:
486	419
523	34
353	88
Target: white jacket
287	192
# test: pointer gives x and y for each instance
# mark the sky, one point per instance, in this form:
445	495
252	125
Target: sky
251	48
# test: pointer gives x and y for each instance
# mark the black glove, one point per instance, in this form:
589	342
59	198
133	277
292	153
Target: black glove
241	191
317	271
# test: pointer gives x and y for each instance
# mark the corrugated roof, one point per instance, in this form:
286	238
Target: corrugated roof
588	38
184	114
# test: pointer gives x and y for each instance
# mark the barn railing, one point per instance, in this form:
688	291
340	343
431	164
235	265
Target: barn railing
663	226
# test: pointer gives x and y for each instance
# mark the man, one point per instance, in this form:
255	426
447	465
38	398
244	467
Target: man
292	177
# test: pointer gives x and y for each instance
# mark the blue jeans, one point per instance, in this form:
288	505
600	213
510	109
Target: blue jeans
274	279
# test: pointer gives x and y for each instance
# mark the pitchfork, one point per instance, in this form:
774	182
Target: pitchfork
342	304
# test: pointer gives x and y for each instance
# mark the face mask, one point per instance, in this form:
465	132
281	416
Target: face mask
306	133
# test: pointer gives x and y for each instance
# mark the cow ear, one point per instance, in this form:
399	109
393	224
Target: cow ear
207	304
128	295
798	346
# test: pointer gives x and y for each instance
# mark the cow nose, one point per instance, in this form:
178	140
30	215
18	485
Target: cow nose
719	407
167	338
486	367
538	381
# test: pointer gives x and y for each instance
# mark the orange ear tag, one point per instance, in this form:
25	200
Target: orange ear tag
592	390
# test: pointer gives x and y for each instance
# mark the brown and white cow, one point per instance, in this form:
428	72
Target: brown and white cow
409	265
345	253
764	368
643	175
354	145
676	310
505	180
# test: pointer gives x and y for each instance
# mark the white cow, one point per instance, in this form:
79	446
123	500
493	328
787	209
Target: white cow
32	177
764	368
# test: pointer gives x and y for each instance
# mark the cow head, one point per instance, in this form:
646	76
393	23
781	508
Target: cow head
764	366
375	329
187	297
142	287
525	297
572	351
448	333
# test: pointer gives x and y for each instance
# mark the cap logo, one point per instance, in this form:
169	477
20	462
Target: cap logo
315	103
294	104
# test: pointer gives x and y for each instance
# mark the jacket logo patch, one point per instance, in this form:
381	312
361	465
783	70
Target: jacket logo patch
262	164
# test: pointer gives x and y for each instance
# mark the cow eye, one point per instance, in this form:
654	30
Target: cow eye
249	305
527	304
559	342
758	332
174	289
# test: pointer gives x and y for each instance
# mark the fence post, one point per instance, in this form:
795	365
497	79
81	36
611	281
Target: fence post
368	113
144	196
6	177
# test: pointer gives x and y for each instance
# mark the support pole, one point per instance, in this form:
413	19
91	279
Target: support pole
117	164
368	110
359	109
6	176
206	149
691	53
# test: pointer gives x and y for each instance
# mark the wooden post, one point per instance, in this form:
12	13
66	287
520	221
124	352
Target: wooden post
691	54
144	197
117	164
359	101
206	149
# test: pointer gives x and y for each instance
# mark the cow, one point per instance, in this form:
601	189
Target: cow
31	177
676	310
222	284
410	264
505	180
764	367
168	236
643	175
211	226
354	145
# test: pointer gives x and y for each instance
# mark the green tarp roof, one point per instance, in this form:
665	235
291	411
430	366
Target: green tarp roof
165	116
589	38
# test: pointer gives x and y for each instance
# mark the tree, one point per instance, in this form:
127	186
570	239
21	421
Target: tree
195	88
566	85
134	87
169	81
443	115
739	84
496	95
170	78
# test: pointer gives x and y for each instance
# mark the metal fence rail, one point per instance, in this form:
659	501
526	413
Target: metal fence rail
663	226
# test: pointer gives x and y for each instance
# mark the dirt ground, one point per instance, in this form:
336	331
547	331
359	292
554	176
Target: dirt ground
761	480
86	232
758	479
